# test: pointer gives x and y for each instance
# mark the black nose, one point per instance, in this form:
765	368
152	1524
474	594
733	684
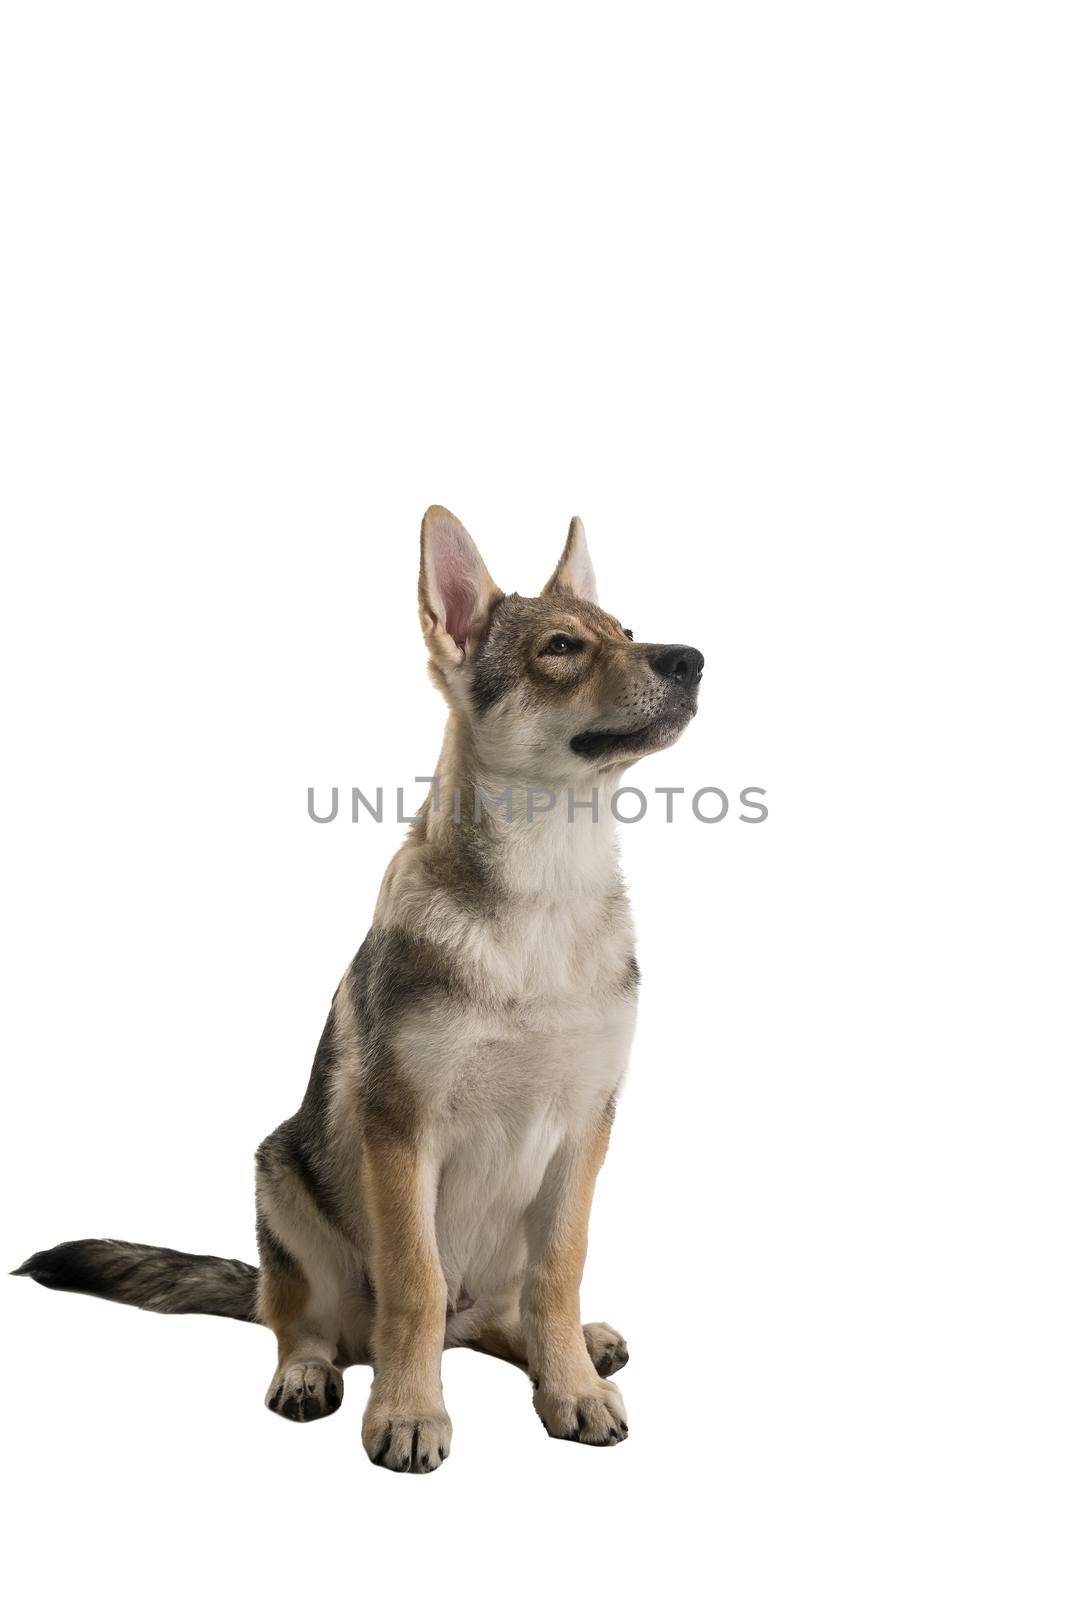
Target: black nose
681	663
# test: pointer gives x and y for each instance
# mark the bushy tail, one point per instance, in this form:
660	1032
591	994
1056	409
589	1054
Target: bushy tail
149	1276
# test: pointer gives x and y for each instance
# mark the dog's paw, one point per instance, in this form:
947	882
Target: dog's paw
305	1390
607	1348
594	1415
406	1443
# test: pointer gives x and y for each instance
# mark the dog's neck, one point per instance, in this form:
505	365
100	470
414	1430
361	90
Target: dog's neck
533	839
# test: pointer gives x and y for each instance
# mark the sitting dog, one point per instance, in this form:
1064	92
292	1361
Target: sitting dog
433	1190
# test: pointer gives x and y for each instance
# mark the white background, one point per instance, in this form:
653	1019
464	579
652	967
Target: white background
773	296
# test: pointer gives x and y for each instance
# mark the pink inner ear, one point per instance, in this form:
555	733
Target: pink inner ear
580	576
456	577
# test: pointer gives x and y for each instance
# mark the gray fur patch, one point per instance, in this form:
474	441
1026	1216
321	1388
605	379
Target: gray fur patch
391	973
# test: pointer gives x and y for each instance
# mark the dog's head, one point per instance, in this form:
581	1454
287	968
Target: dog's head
551	690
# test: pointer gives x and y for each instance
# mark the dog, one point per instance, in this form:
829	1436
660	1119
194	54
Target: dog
434	1188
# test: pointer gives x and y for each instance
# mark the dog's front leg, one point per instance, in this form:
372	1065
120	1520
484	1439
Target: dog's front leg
572	1401
405	1425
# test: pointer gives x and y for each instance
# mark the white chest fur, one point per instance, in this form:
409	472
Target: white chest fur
507	1094
529	1045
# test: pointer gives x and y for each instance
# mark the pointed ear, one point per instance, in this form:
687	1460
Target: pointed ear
574	574
456	592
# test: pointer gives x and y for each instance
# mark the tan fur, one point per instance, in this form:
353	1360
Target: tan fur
569	1395
283	1300
433	1188
405	1415
477	1045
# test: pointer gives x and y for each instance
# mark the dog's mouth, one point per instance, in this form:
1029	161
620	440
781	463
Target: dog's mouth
599	744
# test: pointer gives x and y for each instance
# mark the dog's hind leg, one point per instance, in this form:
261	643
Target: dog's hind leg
301	1290
606	1346
499	1333
491	1326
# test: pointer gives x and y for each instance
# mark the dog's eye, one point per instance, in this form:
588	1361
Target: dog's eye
629	632
561	644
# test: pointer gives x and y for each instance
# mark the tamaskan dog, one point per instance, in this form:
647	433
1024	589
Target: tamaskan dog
433	1190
